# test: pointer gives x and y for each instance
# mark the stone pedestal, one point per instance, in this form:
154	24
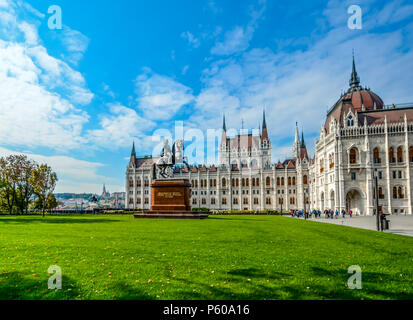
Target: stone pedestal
171	199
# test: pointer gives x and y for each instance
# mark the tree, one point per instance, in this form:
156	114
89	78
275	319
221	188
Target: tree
24	187
11	172
43	180
51	202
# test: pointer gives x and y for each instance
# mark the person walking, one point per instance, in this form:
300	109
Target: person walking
336	213
350	213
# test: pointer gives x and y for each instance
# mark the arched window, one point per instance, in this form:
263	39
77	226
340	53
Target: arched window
282	181
289	181
394	193
268	181
381	195
392	159
293	181
243	182
233	182
399	154
258	182
253	182
305	179
411	154
247	182
224	182
278	181
350	120
400	193
376	155
237	182
353	155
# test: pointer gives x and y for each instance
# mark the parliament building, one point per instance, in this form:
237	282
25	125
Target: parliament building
362	141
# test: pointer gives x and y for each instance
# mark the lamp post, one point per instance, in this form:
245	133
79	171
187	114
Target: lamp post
377	199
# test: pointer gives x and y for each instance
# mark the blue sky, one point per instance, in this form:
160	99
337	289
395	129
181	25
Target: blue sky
119	71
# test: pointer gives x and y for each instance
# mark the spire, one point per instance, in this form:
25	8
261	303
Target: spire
302	139
133	153
264	135
264	123
297	143
354	80
224	132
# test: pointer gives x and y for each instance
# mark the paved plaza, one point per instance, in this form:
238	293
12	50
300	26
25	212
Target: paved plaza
399	224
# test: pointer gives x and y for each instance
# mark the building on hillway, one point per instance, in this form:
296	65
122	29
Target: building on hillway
360	139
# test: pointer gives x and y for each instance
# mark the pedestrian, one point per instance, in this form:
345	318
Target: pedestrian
350	213
336	215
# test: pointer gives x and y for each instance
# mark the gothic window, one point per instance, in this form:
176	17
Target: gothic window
257	182
289	181
394	193
237	182
268	181
293	181
235	201
245	201
224	200
253	182
131	184
381	195
194	201
278	181
353	155
411	154
212	200
305	180
400	193
399	154
255	200
376	155
392	159
224	182
282	181
247	182
268	201
350	120
203	201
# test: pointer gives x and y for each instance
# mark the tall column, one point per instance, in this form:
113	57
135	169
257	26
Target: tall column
408	165
388	177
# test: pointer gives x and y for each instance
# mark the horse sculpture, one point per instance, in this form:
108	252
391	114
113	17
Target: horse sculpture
164	166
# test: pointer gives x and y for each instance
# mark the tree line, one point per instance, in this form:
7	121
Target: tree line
26	184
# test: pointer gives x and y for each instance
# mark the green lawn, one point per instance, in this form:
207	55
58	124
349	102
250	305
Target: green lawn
233	257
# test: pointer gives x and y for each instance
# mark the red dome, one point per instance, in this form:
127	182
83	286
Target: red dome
363	99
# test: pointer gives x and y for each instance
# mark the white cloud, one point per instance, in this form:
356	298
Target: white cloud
120	128
39	92
73	173
75	43
235	40
297	85
192	40
160	97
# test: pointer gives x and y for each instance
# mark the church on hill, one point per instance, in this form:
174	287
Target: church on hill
362	139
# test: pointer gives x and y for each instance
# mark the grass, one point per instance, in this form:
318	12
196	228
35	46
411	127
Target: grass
222	257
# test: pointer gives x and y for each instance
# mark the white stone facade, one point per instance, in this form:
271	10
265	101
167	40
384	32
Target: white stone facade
360	136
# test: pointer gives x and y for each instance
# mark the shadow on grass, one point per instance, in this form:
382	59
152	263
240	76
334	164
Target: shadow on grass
54	220
374	286
15	286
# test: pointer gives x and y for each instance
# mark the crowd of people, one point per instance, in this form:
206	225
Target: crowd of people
328	214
